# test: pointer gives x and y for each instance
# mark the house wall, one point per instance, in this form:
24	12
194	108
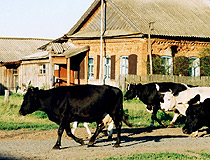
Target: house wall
8	79
184	48
30	71
139	46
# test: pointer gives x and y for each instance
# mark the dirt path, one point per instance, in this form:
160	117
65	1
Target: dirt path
38	144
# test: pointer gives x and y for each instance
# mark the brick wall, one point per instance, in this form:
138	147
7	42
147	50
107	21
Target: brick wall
139	46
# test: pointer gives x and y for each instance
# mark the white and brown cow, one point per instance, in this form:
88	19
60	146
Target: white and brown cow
106	121
180	102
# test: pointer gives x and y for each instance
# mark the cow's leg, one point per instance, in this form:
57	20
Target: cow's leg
110	129
60	132
69	133
99	129
118	125
87	129
154	116
74	127
194	134
176	115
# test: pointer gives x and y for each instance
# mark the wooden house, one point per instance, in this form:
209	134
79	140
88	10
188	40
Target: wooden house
58	64
11	52
43	63
135	30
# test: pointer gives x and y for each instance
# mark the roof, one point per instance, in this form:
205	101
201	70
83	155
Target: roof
185	18
40	54
13	49
74	50
67	49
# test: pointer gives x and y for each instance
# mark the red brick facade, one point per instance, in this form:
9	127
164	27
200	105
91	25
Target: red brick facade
139	47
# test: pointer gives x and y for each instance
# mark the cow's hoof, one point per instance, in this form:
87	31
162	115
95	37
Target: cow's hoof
82	143
56	147
194	135
90	144
164	125
117	145
170	126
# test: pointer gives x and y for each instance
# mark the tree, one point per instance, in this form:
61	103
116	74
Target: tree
205	62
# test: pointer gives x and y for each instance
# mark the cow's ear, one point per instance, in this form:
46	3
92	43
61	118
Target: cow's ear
29	89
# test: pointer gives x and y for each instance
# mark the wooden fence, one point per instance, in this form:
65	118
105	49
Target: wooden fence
122	81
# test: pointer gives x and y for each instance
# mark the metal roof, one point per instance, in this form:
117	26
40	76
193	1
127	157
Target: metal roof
187	18
13	49
67	49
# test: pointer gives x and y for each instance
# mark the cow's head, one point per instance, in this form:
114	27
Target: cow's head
30	102
131	92
168	101
193	119
195	115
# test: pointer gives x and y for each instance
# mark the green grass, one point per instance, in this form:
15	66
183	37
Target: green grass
161	156
138	115
11	120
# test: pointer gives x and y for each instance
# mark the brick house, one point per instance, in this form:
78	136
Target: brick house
177	28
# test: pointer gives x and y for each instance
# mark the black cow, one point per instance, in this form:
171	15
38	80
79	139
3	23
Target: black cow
150	95
197	115
82	103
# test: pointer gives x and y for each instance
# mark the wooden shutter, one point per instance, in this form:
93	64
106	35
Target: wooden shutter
82	69
98	66
113	67
132	64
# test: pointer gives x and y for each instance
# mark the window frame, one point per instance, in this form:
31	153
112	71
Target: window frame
194	69
90	66
167	65
107	67
124	65
42	69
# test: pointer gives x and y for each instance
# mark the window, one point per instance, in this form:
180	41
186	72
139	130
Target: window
124	65
107	67
90	68
15	71
42	69
167	65
194	67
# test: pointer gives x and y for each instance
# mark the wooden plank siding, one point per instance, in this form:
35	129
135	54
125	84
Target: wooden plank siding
197	81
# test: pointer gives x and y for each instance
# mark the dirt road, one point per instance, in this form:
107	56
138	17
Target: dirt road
38	144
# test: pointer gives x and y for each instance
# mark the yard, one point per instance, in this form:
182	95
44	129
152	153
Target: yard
33	136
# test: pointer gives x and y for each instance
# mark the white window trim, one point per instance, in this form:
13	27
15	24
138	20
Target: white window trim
168	67
107	68
92	74
124	67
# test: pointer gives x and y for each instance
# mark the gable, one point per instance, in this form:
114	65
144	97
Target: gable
114	24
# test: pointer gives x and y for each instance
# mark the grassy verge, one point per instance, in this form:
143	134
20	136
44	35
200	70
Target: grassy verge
11	120
162	156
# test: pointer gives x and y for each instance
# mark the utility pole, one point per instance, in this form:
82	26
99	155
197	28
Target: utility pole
101	45
151	27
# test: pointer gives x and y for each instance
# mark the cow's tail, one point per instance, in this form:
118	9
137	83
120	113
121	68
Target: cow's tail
125	120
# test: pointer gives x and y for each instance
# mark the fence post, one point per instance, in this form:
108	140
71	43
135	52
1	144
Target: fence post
6	96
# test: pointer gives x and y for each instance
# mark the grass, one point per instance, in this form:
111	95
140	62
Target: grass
162	156
11	120
138	115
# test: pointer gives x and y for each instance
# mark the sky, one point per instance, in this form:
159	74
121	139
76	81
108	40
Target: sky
48	19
